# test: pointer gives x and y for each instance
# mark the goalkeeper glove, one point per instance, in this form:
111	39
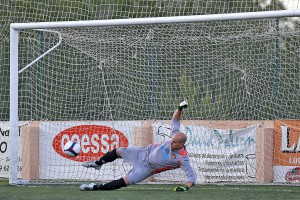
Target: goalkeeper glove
183	105
181	189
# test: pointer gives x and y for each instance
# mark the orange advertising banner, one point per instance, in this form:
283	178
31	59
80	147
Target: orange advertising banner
287	142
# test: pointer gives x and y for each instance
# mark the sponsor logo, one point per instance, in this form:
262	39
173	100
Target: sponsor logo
293	175
173	156
287	143
94	140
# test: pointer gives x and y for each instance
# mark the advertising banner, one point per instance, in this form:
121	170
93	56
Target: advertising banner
216	155
287	151
5	149
95	139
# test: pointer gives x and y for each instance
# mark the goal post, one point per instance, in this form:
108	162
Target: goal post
110	76
14	121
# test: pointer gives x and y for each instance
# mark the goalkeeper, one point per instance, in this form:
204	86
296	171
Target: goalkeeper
149	160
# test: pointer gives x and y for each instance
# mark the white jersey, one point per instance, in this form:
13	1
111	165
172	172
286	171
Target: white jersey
157	158
162	158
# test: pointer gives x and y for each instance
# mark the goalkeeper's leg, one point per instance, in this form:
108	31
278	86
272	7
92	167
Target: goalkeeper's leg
136	175
113	185
108	157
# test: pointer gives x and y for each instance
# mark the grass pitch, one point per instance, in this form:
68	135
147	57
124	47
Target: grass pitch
151	192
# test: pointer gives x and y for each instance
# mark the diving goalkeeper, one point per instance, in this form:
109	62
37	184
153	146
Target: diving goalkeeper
149	160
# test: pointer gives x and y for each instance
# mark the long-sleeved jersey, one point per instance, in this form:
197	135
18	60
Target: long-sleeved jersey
162	158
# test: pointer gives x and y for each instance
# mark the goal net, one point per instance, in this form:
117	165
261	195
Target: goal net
117	86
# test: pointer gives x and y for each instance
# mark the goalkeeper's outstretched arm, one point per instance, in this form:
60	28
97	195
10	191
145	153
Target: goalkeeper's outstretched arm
177	116
178	111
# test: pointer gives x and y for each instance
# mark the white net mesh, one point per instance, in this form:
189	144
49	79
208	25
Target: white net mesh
234	70
140	72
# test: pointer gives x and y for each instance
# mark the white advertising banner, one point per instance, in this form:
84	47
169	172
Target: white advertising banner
4	156
5	149
289	174
95	139
216	155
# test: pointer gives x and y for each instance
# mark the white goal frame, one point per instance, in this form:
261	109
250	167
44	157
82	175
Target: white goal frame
14	42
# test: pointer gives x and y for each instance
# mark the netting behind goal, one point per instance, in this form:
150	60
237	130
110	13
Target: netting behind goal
117	79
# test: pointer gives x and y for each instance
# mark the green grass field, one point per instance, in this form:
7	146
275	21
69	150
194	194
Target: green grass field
143	192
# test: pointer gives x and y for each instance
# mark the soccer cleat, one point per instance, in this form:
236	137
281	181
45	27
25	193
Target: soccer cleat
92	164
87	187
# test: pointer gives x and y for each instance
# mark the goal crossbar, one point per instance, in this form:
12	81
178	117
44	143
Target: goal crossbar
158	20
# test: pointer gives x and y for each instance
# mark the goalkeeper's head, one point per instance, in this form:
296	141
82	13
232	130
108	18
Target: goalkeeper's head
178	141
